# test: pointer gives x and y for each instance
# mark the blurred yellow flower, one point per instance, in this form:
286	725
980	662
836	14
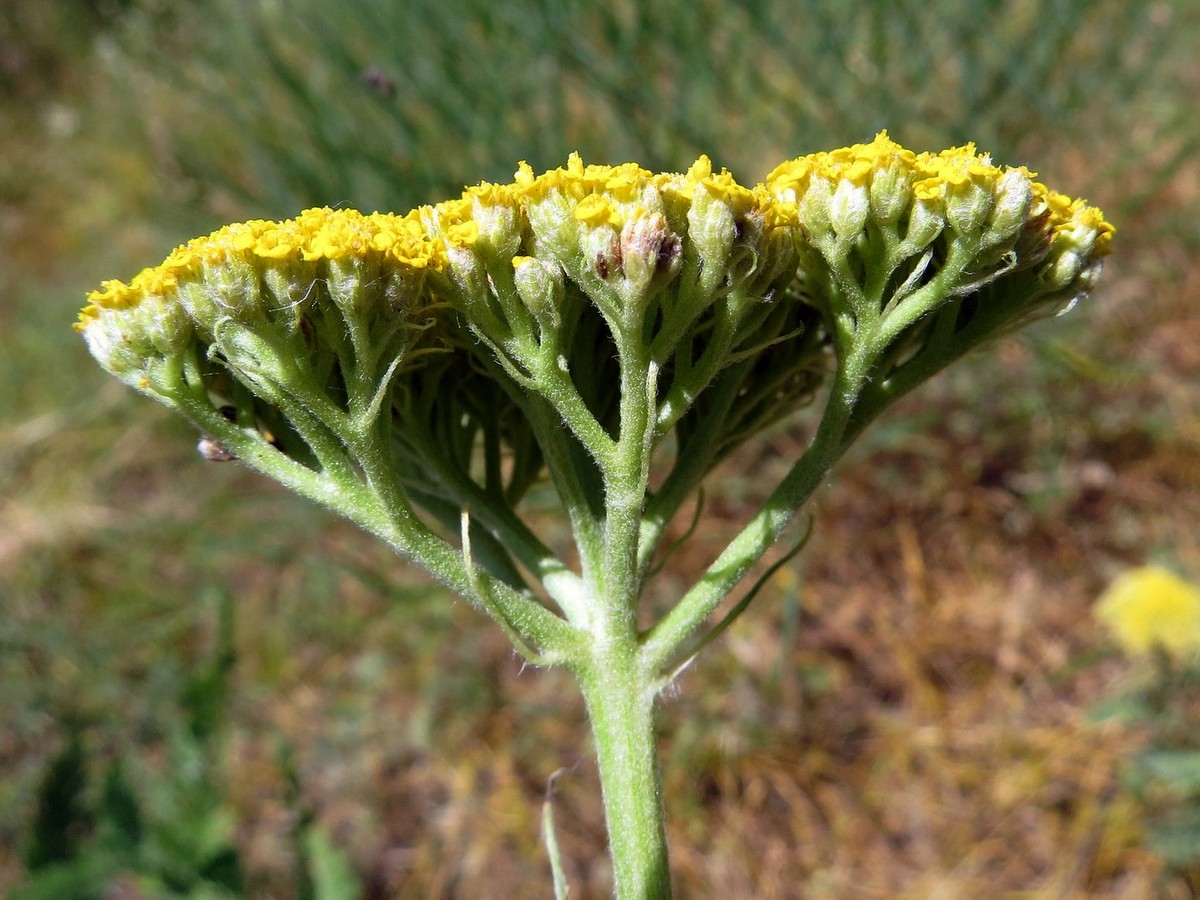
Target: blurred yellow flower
1149	607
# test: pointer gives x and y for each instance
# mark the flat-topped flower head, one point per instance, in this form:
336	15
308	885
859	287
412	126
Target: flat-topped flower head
316	235
267	301
583	267
620	233
837	190
890	234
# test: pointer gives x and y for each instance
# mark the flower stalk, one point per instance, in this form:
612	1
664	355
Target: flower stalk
588	326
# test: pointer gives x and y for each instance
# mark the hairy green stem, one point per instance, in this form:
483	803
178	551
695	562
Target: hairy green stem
620	697
661	643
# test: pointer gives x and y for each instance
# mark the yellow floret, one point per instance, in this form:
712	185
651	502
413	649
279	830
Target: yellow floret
596	209
524	176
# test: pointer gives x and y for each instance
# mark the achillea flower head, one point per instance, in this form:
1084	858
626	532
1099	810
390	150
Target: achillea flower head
636	252
914	257
1152	607
896	240
220	276
324	305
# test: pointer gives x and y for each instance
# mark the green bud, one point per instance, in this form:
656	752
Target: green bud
1064	269
711	228
814	209
499	227
1014	194
118	341
292	287
969	207
227	289
891	192
925	223
467	271
541	287
556	231
355	286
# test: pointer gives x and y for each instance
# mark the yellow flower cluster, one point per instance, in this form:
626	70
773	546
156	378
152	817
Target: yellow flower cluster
584	200
316	234
1152	606
932	178
612	195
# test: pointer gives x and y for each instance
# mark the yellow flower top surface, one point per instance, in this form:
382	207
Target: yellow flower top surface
932	177
316	234
855	164
1152	606
622	183
597	196
1068	214
613	195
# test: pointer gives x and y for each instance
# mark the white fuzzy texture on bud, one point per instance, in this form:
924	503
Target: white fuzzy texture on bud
467	271
968	207
925	223
541	288
813	208
711	227
499	228
1066	268
848	209
229	290
1014	194
891	193
649	250
354	286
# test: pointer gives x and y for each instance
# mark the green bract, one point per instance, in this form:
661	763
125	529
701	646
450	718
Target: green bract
420	373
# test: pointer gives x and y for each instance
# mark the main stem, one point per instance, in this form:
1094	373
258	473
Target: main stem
618	688
620	705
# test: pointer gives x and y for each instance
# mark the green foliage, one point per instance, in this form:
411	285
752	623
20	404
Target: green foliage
323	873
173	837
60	812
1165	775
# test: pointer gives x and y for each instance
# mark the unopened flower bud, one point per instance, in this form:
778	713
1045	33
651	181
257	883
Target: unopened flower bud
555	229
650	251
814	208
227	289
1065	269
925	223
711	227
541	287
969	204
116	339
1014	194
467	271
848	208
166	325
891	191
498	220
355	286
293	287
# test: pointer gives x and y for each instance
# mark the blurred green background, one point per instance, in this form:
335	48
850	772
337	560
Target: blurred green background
208	688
